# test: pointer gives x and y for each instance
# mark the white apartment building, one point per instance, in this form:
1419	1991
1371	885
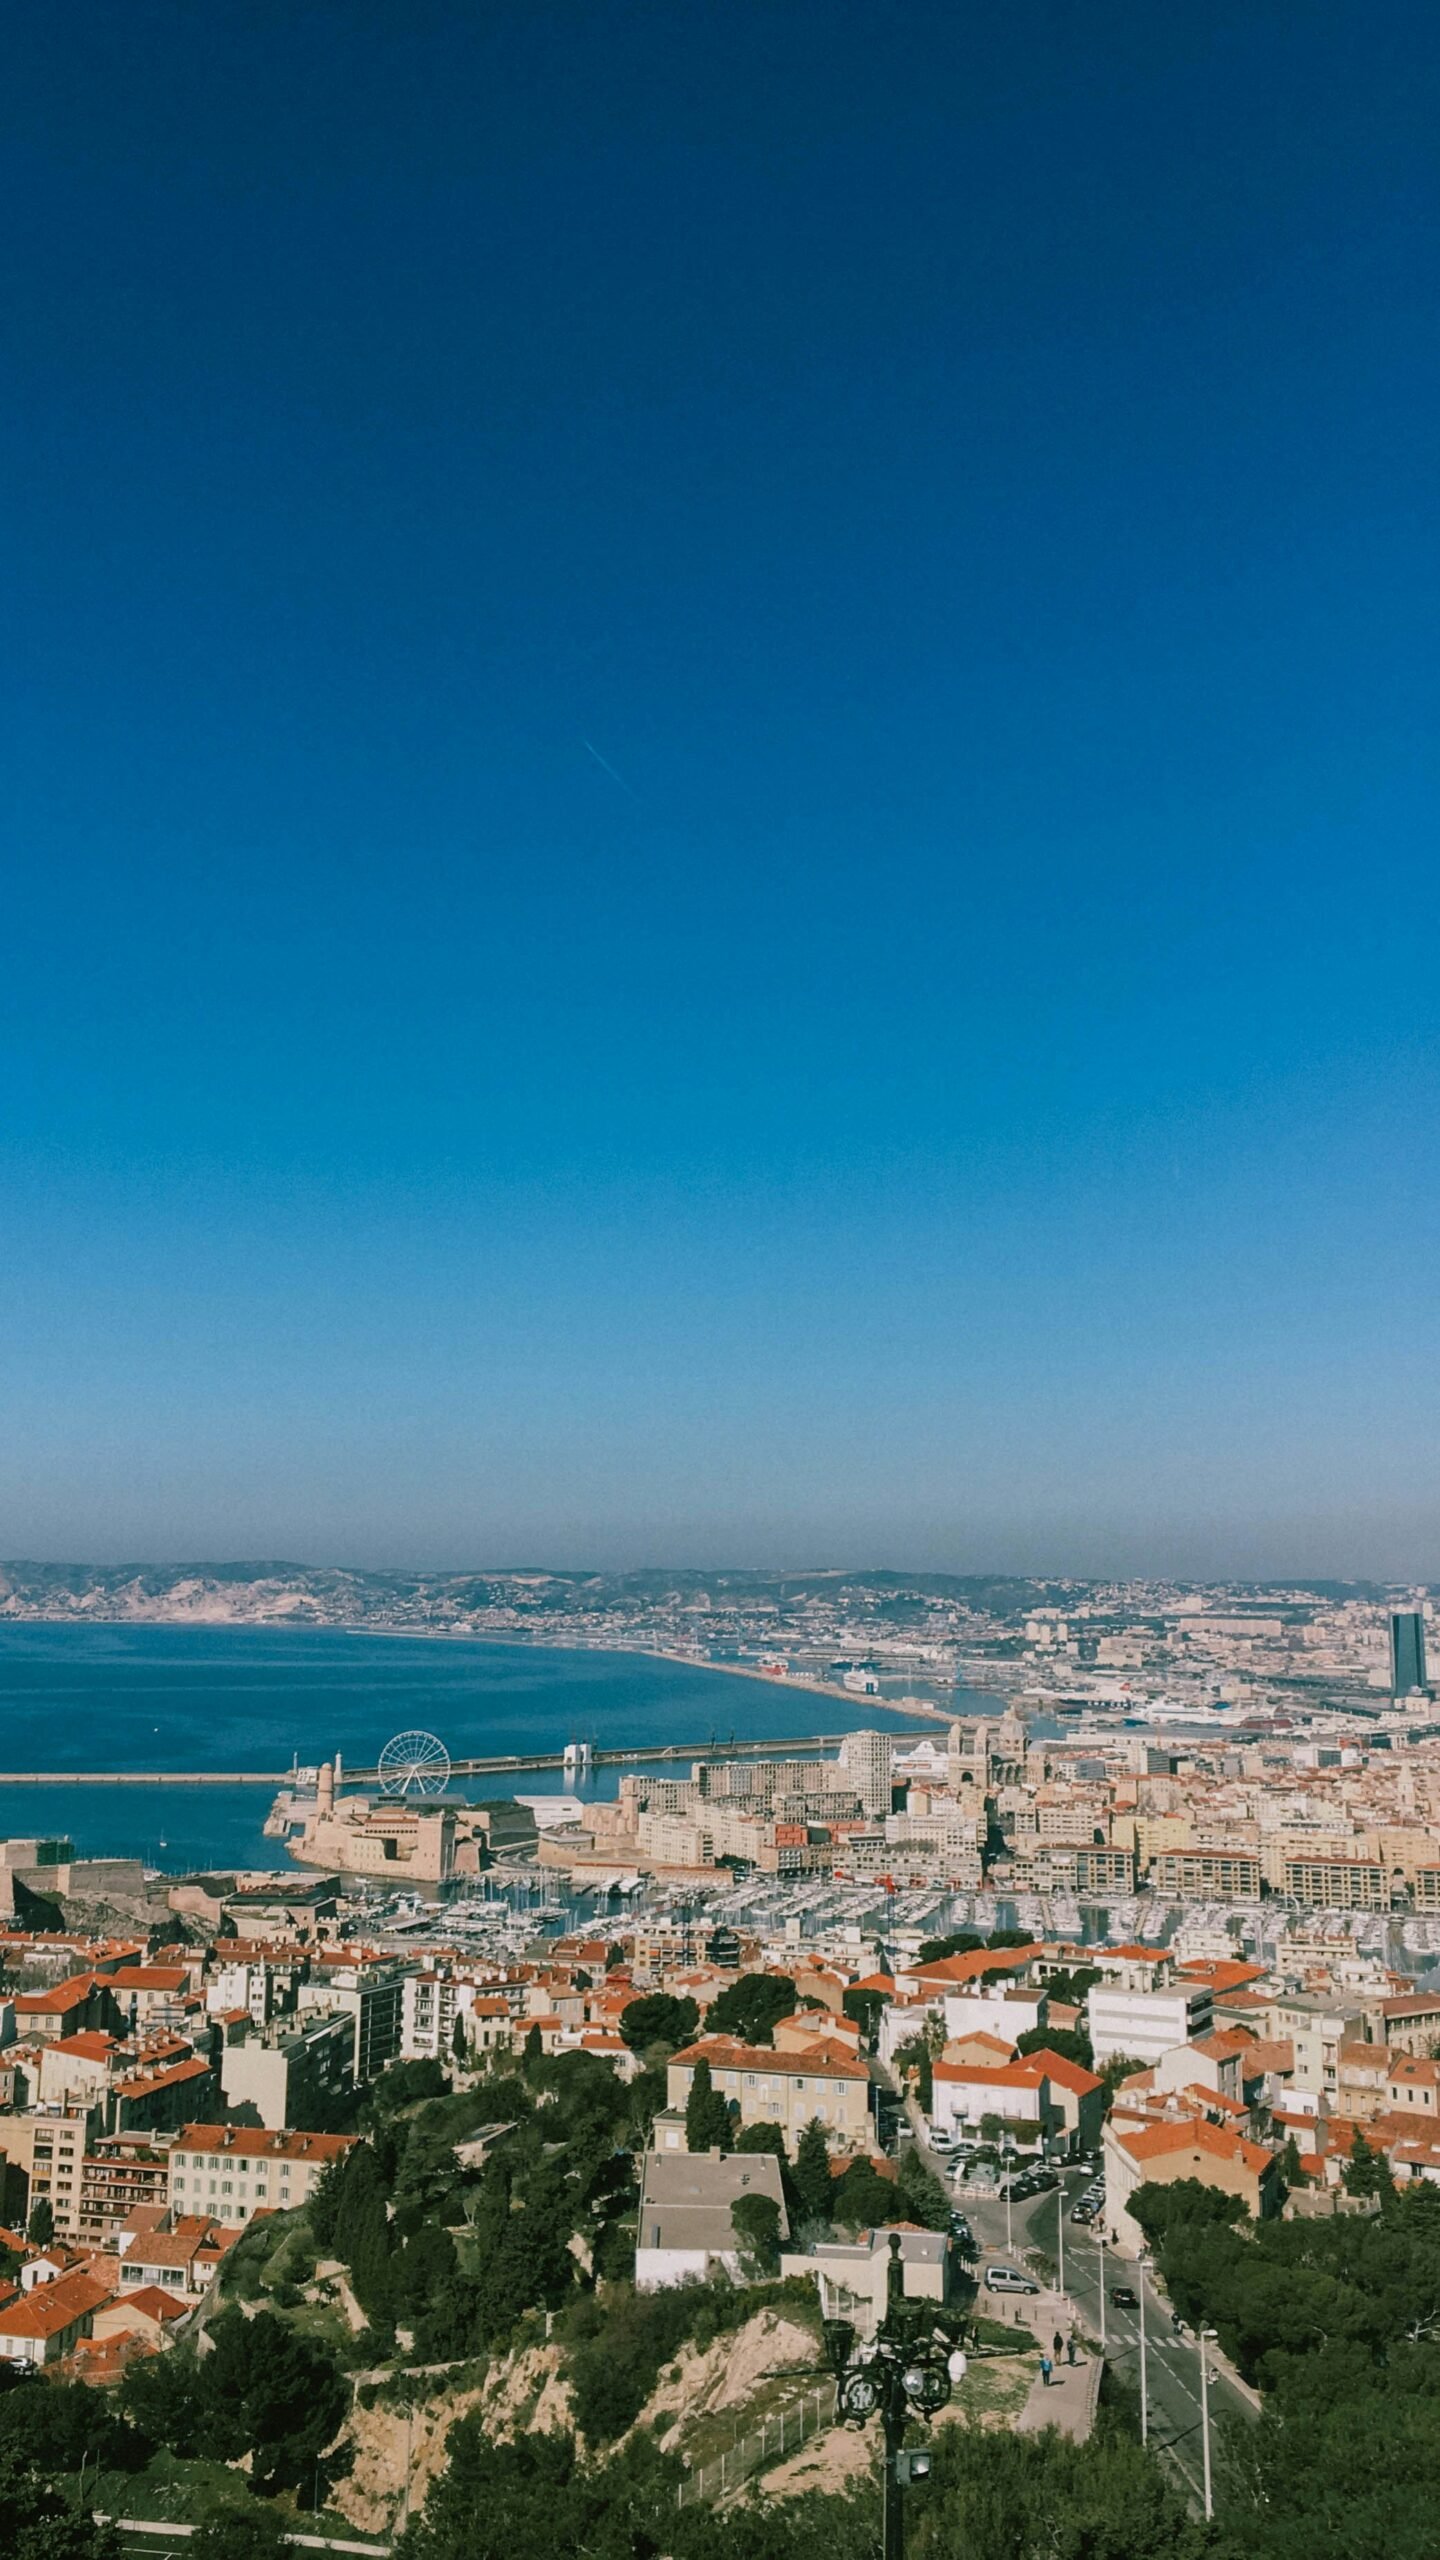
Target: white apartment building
289	2073
996	2011
430	2005
1317	2028
866	1759
1144	2024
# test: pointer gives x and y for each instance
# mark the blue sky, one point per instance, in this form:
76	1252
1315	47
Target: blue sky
719	784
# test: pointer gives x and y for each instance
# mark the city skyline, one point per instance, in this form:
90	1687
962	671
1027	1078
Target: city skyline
721	789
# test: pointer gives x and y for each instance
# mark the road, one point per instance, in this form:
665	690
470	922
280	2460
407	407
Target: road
1172	2364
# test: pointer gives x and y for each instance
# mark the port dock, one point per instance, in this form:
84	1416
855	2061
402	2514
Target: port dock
510	1765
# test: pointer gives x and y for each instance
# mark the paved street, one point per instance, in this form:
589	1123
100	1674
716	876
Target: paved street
1172	2364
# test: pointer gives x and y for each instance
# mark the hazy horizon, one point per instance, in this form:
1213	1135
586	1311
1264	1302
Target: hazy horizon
641	1564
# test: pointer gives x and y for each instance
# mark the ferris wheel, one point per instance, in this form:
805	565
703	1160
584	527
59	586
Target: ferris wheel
414	1764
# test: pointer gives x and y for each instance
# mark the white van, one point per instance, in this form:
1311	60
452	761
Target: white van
1009	2280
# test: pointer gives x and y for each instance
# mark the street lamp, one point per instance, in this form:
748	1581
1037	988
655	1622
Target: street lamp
1101	2243
902	2375
1202	2341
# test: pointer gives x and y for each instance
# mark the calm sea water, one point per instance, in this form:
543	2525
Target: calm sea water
90	1697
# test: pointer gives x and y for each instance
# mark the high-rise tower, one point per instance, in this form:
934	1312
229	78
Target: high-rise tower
1407	1652
865	1758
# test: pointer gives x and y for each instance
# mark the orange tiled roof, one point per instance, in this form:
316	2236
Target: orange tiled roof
731	2055
1068	2075
1158	2141
52	2307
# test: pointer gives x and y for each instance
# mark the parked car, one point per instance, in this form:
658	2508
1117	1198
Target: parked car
1043	2180
1082	2213
1009	2280
1125	2297
941	2138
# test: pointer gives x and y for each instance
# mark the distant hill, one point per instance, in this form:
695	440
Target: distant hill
518	1599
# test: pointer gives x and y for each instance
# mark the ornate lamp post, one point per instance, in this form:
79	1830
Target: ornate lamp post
902	2374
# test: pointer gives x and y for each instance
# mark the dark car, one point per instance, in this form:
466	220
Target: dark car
1082	2213
1124	2297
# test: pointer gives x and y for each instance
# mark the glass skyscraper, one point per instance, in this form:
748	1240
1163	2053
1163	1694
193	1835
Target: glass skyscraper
1407	1652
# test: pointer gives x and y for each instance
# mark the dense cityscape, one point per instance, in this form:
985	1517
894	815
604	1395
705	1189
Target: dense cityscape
926	2077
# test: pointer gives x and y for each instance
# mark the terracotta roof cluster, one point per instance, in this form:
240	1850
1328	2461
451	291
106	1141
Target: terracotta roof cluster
49	2308
1206	2141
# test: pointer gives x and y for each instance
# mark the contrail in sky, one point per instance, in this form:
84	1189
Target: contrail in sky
608	768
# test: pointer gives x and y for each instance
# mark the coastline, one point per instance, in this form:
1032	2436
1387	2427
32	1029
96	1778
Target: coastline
923	1711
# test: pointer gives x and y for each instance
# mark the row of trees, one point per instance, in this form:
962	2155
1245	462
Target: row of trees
1337	2319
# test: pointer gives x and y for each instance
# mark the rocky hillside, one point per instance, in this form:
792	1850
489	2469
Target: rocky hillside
705	2401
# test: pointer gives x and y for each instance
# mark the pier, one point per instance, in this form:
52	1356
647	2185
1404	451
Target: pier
514	1764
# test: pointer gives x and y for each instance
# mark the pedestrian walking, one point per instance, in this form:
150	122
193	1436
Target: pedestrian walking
1059	2348
1045	2371
1070	2348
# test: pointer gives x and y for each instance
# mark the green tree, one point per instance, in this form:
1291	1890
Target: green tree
757	2229
1188	2202
369	2256
814	2185
996	2496
915	2055
656	2018
167	2398
866	2009
1067	2042
41	2226
264	2389
428	2266
323	2210
752	2007
1367	2171
707	2117
405	2084
766	2138
961	1942
1118	2068
39	2522
533	2055
459	2042
1071	1987
924	2198
862	2198
427	2177
68	2424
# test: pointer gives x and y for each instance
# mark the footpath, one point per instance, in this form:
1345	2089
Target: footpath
1069	2400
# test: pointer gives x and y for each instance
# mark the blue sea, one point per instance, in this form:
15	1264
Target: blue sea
143	1697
